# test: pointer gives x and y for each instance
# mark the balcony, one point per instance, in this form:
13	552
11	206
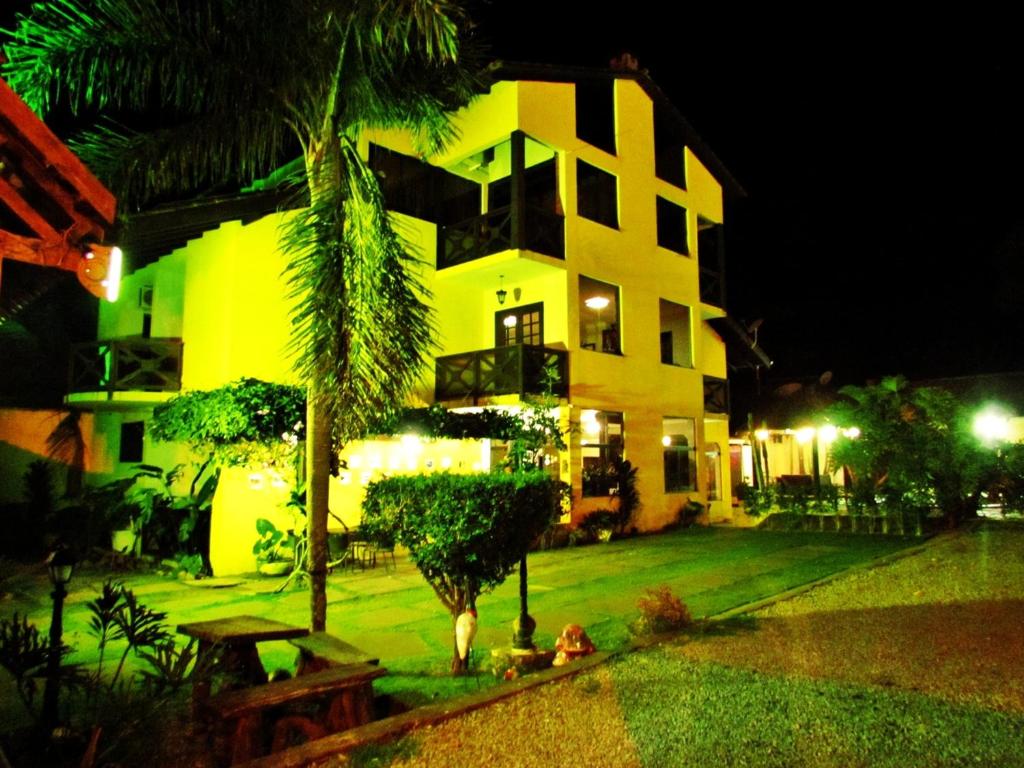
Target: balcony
514	370
716	395
499	230
126	365
712	287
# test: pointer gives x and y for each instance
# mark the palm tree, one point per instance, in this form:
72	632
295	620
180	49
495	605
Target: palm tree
227	87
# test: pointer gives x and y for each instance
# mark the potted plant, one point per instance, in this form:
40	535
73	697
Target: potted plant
275	549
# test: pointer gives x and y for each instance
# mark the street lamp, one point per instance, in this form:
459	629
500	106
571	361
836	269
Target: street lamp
60	565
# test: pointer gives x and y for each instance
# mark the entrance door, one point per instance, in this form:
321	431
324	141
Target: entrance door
521	325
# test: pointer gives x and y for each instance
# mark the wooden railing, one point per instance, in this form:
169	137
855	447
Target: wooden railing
513	370
711	287
122	365
542	231
716	395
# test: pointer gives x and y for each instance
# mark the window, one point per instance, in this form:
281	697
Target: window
521	325
601	439
676	334
672	226
130	450
599	316
595	113
678	439
597	195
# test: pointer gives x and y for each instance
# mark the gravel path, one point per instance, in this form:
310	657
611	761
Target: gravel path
946	622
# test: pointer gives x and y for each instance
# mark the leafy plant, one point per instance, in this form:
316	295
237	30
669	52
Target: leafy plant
273	545
466	533
24	653
660	611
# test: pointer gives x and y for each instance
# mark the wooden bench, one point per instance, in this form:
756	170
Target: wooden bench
319	650
308	706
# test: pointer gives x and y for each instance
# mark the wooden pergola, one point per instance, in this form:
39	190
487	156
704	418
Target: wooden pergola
53	211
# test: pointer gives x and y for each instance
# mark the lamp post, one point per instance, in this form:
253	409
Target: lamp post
60	565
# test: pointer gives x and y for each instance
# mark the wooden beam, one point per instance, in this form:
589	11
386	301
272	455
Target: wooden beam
57	156
32	250
12	198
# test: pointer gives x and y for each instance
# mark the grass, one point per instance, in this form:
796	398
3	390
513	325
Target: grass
914	663
397	616
679	712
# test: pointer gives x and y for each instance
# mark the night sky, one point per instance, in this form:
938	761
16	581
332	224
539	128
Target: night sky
883	226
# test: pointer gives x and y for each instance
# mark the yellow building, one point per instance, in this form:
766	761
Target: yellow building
575	225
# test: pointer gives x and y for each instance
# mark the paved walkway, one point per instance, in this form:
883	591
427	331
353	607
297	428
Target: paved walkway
396	615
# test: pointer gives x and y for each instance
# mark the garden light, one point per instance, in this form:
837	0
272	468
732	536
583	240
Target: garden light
991	426
804	435
60	565
828	434
851	433
762	434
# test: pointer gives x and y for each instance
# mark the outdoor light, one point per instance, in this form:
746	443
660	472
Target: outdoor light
666	441
509	321
828	433
762	434
804	435
991	426
852	433
597	303
60	565
501	293
100	271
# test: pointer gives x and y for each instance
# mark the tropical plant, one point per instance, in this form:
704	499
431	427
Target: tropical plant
915	450
466	533
236	84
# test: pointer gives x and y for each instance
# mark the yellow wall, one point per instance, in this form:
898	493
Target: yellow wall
232	308
23	436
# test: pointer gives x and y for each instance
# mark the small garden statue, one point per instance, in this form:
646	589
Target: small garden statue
465	631
572	644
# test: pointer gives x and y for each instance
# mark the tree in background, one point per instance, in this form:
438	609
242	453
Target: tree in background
228	89
916	449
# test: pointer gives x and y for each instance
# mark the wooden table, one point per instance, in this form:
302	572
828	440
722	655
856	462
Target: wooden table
235	638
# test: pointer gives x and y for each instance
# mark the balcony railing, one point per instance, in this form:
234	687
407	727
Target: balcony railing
123	365
542	231
711	287
513	370
716	395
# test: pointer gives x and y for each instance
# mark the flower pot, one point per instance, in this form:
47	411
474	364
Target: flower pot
275	568
125	541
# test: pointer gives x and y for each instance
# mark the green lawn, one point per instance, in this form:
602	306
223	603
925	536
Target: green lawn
397	616
679	712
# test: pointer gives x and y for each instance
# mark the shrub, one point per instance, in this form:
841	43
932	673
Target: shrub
660	611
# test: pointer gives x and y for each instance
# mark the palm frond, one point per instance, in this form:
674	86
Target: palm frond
361	328
204	151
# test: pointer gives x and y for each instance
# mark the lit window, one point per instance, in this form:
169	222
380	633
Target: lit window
601	439
599	316
680	458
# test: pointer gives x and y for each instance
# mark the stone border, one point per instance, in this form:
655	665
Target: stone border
338	744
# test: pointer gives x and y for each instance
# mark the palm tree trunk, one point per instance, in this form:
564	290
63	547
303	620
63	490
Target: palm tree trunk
318	461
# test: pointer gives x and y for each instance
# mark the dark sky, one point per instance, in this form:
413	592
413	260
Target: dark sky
883	229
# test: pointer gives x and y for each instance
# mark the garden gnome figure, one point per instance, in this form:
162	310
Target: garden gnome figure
465	631
571	644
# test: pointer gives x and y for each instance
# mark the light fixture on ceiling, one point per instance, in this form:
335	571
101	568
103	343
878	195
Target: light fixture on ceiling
597	303
501	293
